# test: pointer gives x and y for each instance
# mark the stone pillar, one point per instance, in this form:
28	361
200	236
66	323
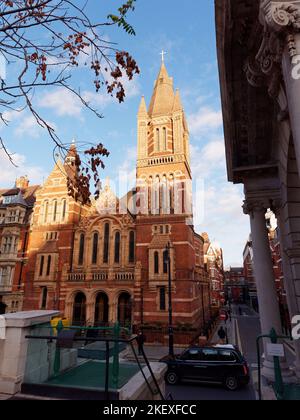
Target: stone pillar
292	83
13	346
265	280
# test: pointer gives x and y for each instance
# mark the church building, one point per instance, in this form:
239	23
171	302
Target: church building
110	261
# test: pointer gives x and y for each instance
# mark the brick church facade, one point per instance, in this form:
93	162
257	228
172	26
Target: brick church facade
108	261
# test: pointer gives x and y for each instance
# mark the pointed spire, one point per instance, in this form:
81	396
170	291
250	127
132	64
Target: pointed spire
177	102
163	96
143	107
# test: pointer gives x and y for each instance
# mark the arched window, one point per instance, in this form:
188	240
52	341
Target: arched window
46	211
165	145
95	248
44	298
106	244
64	209
117	247
156	263
42	265
79	310
81	249
48	265
54	210
157	140
131	247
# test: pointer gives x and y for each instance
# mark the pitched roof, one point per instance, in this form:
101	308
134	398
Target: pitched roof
163	97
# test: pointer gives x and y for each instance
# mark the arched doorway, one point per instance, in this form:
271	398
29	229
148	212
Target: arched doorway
79	310
125	309
101	310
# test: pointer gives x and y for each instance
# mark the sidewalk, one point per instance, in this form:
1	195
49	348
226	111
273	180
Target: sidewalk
230	327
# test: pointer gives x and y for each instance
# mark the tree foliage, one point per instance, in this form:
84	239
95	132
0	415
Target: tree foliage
46	40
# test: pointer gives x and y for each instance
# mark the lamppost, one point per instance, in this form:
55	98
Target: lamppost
171	332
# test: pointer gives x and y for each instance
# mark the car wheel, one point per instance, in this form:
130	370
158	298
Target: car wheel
231	383
172	378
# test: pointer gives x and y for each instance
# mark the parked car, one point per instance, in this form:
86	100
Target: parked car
224	365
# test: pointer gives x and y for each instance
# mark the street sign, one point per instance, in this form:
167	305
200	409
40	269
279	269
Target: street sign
275	350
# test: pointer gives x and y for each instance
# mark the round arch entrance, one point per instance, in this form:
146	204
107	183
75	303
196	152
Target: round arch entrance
101	310
79	310
125	309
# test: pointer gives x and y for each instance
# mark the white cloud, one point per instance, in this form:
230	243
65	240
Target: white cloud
204	120
103	99
222	217
9	172
208	159
29	127
65	103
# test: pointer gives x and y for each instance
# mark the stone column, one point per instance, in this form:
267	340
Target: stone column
281	46
265	280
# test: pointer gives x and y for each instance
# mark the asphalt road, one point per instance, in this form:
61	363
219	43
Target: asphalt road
248	330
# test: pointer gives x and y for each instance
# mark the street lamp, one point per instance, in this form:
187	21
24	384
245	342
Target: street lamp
167	258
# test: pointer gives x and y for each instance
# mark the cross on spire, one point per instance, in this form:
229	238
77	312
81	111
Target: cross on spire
163	56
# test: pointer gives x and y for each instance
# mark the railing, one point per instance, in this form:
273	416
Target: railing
116	339
77	277
125	275
101	276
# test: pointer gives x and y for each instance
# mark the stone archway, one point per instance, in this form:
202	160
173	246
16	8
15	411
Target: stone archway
79	309
125	309
101	310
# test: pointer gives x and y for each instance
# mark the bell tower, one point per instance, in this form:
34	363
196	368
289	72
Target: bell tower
163	145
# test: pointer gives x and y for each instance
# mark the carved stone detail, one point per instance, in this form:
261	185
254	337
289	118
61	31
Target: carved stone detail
281	15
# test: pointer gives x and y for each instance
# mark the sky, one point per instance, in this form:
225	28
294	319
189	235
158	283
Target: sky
186	31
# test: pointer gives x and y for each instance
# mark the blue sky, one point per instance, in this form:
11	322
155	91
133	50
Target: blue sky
186	31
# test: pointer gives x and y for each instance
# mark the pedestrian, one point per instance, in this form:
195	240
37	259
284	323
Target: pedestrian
141	338
240	311
226	317
229	314
222	335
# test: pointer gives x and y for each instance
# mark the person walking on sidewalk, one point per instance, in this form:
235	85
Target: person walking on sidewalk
141	338
222	335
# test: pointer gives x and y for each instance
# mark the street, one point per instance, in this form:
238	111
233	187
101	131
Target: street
247	329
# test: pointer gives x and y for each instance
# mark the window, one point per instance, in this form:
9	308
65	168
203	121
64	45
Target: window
64	209
81	249
54	210
95	248
156	263
157	140
210	355
192	354
44	298
162	298
48	265
46	211
42	260
117	247
165	146
226	356
166	262
131	247
106	244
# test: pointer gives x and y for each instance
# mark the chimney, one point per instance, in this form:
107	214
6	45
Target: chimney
22	182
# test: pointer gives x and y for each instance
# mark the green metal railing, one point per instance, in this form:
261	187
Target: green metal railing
116	339
282	391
